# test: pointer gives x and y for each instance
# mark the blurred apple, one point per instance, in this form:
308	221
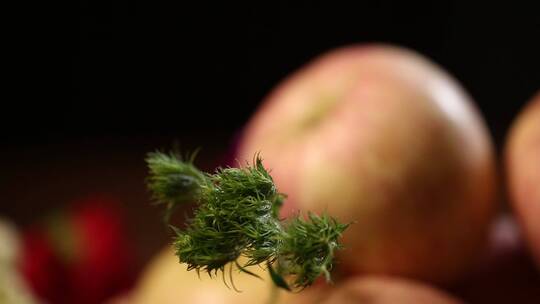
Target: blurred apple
387	290
79	255
165	281
380	136
13	289
523	172
42	268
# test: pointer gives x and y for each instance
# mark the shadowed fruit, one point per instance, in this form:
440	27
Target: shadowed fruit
386	290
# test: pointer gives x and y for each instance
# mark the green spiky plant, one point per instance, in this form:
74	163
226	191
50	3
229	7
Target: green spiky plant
237	216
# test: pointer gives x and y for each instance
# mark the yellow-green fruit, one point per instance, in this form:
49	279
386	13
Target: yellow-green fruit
13	288
165	281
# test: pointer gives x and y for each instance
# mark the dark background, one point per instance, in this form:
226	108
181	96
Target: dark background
134	68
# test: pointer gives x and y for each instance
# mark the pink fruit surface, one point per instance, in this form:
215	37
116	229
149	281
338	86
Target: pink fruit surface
380	136
387	290
522	156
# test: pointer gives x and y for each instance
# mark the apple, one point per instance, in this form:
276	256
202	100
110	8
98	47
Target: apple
80	255
522	160
12	286
387	290
380	136
165	281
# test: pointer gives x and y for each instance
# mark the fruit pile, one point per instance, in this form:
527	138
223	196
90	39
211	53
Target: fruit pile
382	137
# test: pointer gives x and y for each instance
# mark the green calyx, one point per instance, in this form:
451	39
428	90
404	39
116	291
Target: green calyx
237	216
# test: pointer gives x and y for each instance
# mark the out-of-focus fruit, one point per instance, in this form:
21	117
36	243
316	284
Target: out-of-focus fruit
167	282
13	290
386	290
42	268
505	273
523	172
81	255
381	136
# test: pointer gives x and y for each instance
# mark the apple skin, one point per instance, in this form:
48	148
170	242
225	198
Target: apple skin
522	160
380	136
387	290
82	255
165	281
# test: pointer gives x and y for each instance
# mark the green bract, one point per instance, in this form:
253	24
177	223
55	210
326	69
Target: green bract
237	216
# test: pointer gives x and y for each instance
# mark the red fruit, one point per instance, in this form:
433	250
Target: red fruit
102	266
79	256
42	268
523	170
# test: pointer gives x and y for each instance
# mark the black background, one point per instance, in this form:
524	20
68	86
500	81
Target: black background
134	68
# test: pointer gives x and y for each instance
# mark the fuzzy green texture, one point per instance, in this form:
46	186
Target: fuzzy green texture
173	181
237	216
